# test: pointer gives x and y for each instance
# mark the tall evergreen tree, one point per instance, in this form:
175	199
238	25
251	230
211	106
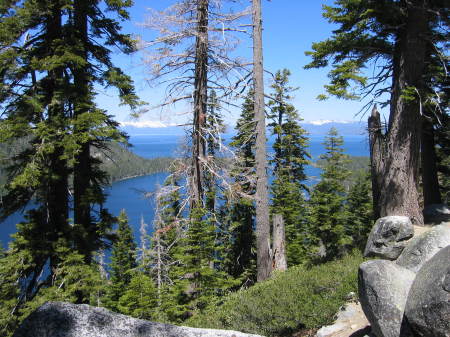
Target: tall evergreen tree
197	279
240	209
327	212
92	36
139	298
214	127
359	211
410	37
123	261
43	100
291	156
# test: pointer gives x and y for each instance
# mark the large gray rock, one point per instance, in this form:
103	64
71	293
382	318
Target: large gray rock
388	236
383	289
436	214
58	319
422	248
428	306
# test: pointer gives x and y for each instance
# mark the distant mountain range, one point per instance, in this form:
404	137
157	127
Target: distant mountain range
344	128
314	128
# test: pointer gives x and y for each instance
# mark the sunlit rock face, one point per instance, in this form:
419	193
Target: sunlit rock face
60	319
407	294
388	237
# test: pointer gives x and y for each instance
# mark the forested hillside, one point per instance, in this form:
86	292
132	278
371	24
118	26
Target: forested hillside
121	163
229	246
117	161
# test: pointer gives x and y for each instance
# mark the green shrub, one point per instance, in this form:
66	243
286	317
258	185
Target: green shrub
299	298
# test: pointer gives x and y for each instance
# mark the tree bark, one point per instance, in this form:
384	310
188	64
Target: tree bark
262	198
82	174
279	244
377	155
57	195
399	189
200	102
430	183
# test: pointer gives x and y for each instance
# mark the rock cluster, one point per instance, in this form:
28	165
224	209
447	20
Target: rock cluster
407	291
58	319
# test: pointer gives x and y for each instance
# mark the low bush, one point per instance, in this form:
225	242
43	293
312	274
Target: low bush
300	298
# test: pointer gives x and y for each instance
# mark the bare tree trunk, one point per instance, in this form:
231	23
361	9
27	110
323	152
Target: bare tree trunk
431	193
377	155
279	244
400	195
262	197
200	101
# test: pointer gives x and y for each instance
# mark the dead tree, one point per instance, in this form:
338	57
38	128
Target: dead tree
200	101
262	195
279	244
377	155
190	56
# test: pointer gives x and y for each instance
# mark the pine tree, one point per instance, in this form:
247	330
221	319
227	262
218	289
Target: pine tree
214	127
290	158
359	211
92	36
46	98
327	212
123	261
139	297
410	38
196	278
72	281
239	210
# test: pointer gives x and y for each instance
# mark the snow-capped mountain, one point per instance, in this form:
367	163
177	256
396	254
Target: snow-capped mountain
314	128
136	128
344	128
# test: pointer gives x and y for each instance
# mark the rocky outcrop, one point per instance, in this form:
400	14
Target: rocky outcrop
58	319
383	290
388	237
423	247
409	296
428	306
350	321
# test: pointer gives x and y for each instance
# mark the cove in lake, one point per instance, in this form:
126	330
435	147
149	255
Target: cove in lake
129	194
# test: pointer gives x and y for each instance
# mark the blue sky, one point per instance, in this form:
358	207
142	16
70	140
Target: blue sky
290	27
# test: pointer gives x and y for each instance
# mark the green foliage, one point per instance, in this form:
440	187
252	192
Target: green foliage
54	53
116	161
239	210
139	298
215	126
358	40
71	280
301	297
289	162
356	165
368	35
123	261
196	278
359	210
327	212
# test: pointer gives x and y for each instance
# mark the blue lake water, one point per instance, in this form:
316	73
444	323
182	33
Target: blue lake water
129	194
